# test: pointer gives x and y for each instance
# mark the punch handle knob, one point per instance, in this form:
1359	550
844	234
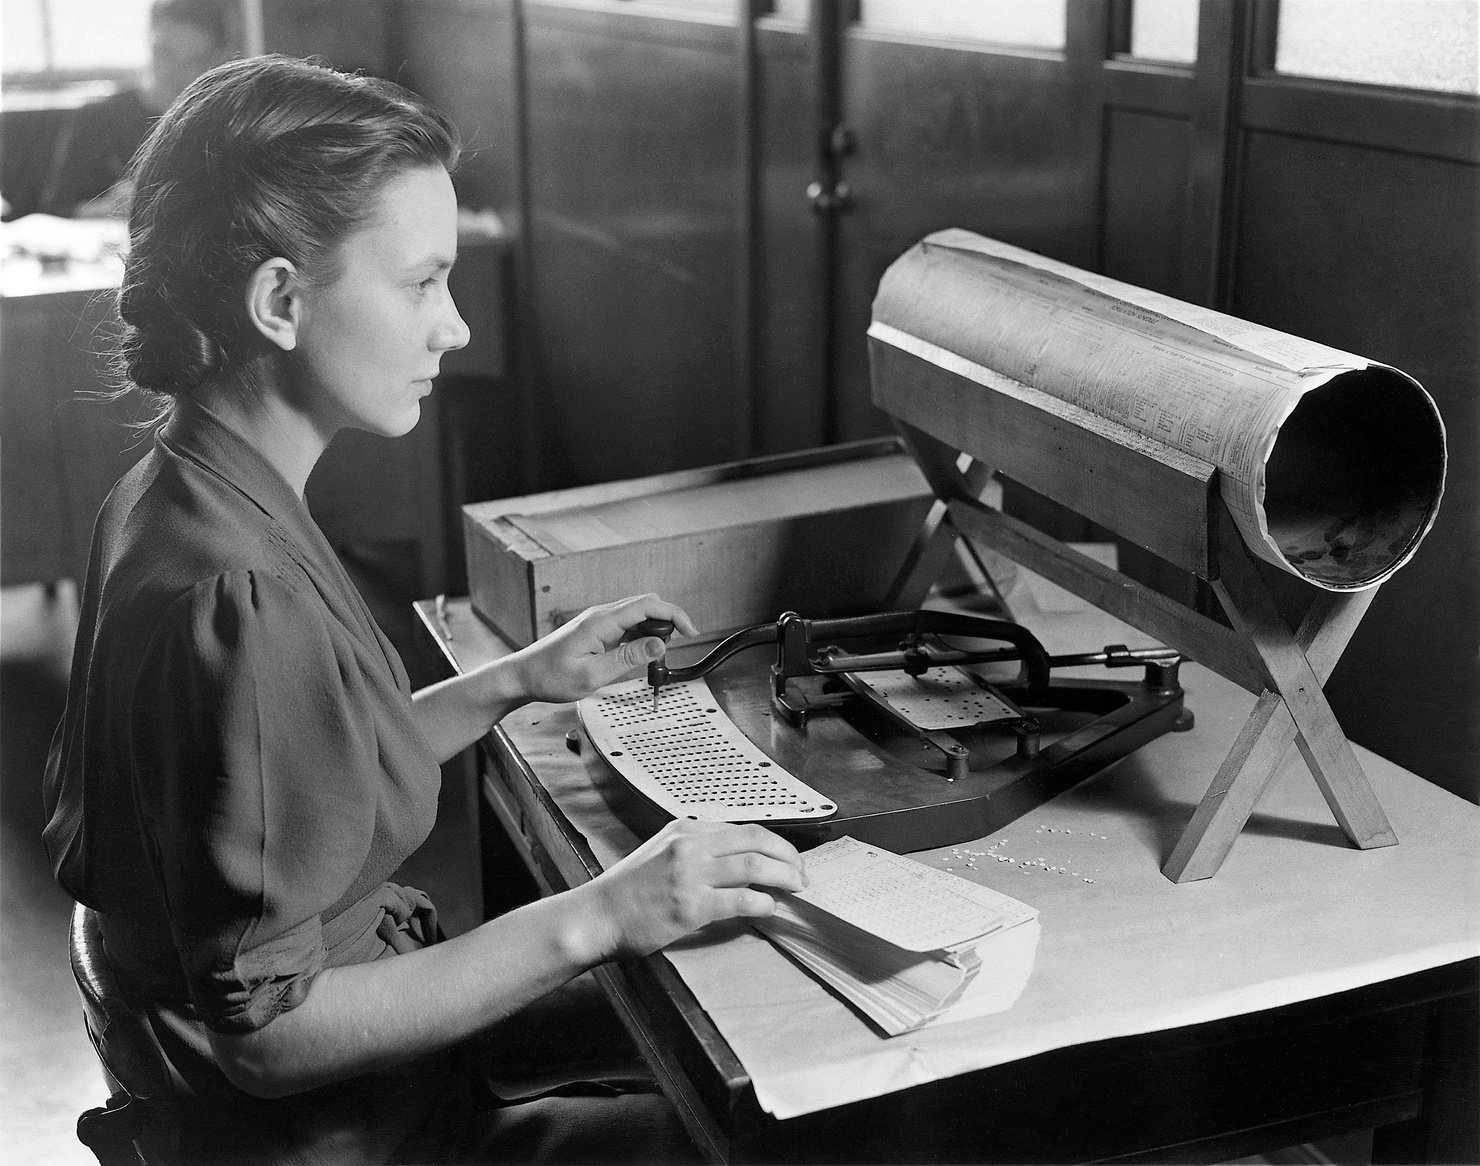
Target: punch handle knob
662	628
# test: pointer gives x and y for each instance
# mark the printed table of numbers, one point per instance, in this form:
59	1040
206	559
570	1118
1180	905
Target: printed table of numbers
913	906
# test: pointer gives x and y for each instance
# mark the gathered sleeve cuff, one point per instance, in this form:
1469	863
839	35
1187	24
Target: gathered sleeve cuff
244	994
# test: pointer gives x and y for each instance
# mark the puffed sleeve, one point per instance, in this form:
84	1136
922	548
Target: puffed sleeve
254	754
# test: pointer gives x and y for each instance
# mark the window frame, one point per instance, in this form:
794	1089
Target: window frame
1432	122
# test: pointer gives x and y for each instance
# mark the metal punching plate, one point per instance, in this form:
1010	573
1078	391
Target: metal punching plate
690	759
940	699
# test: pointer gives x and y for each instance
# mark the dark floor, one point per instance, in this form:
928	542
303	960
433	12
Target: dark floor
47	1071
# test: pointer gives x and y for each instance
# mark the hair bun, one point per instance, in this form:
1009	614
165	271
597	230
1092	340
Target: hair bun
162	350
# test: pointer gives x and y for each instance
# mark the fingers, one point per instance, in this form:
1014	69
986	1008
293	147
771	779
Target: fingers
636	608
752	869
727	838
744	903
694	873
632	654
587	653
726	855
626	657
625	660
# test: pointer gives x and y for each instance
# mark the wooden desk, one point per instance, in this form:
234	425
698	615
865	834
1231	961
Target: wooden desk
1326	1048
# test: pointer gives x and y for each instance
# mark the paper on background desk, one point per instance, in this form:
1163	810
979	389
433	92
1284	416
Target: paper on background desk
43	253
1294	913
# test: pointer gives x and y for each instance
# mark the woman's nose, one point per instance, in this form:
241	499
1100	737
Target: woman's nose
452	332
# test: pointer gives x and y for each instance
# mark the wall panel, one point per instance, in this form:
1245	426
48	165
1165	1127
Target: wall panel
635	195
1145	199
349	34
463	55
1375	252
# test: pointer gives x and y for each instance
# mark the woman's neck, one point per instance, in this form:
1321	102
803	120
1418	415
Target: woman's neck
285	437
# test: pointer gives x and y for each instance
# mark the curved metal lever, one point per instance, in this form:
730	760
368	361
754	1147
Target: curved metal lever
797	636
660	674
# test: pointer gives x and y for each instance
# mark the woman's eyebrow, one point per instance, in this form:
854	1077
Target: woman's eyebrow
432	263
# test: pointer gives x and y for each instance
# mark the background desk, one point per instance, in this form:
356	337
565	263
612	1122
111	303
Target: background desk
1196	1060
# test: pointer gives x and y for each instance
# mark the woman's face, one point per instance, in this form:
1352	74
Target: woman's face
370	341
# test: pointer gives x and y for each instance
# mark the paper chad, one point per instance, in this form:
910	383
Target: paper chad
1331	464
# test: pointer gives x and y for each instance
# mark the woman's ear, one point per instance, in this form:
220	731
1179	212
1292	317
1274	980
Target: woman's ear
273	302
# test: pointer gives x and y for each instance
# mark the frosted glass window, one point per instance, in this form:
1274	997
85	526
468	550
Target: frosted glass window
1039	24
102	35
24	39
1164	30
1417	44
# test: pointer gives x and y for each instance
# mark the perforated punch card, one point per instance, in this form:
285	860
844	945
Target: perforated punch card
689	759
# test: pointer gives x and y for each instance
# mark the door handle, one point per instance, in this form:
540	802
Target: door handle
831	194
827	199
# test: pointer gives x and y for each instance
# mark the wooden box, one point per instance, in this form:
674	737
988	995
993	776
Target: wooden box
821	532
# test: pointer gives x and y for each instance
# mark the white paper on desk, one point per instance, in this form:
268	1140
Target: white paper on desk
1195	380
806	1050
1006	965
902	941
1293	914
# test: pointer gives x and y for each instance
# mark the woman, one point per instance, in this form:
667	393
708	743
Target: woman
241	763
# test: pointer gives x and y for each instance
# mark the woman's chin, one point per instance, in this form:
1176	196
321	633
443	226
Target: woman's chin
413	415
399	425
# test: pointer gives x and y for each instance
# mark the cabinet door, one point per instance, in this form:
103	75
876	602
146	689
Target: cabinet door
877	123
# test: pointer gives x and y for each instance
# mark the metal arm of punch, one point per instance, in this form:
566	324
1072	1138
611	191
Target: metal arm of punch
805	648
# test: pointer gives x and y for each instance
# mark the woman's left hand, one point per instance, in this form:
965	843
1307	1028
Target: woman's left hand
589	651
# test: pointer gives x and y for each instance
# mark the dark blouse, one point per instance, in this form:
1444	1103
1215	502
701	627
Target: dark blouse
236	774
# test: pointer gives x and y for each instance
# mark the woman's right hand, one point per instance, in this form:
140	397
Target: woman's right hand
590	650
688	875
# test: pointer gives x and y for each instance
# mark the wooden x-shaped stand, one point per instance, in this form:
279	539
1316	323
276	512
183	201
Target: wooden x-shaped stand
1292	708
1284	670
